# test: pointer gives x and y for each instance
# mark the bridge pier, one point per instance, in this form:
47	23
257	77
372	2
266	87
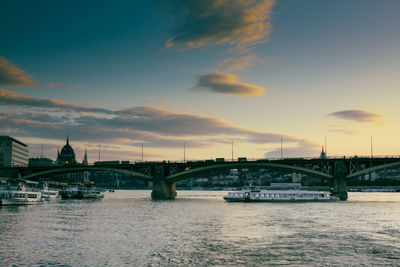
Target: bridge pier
339	181
162	189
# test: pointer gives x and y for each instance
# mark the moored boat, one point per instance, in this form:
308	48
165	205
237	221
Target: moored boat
19	195
50	194
79	192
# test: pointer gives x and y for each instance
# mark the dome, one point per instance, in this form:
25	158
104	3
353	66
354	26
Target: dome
67	154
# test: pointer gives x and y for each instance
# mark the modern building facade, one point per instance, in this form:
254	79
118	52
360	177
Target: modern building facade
13	153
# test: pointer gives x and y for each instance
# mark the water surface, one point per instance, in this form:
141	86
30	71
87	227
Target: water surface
200	229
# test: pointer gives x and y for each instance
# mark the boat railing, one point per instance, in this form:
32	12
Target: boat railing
275	187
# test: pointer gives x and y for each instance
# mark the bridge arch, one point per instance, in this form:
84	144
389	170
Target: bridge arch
373	169
86	168
244	165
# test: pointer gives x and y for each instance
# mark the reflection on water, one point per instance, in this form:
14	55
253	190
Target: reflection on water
199	228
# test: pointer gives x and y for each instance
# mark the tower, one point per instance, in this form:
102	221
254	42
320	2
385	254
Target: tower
323	154
85	159
67	154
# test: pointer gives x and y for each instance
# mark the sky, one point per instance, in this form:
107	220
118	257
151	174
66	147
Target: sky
169	74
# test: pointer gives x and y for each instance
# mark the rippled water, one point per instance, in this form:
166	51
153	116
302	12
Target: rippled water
200	229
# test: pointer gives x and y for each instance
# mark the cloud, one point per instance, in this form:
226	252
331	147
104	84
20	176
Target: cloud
161	102
12	98
237	23
153	126
76	87
345	131
53	85
225	83
12	76
301	149
358	116
240	63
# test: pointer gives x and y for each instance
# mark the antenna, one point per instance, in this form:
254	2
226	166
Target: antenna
281	149
232	149
99	151
184	151
142	152
41	155
326	149
371	147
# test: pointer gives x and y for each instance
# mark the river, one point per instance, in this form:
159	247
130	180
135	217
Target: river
126	228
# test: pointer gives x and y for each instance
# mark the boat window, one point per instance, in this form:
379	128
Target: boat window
32	196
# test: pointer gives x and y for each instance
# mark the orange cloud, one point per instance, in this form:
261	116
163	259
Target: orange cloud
16	99
76	87
239	23
53	85
240	63
11	76
225	83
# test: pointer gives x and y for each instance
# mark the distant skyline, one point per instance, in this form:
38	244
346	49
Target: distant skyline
165	72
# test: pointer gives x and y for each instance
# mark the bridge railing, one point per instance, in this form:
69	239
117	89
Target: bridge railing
239	159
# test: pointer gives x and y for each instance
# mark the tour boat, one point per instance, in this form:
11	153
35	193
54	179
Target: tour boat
19	195
50	194
77	192
268	195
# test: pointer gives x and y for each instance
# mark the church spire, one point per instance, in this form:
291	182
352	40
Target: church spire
58	157
67	139
85	159
323	154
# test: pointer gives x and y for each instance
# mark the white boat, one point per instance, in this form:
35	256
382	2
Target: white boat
50	194
19	195
268	195
77	192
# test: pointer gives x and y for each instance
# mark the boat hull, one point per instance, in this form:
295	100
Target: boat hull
9	202
80	195
278	200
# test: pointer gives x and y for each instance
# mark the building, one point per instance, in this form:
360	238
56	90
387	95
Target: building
67	155
40	162
13	153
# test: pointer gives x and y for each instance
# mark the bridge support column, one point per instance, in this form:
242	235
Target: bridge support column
339	181
162	189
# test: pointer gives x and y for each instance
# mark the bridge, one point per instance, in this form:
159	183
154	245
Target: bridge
165	174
